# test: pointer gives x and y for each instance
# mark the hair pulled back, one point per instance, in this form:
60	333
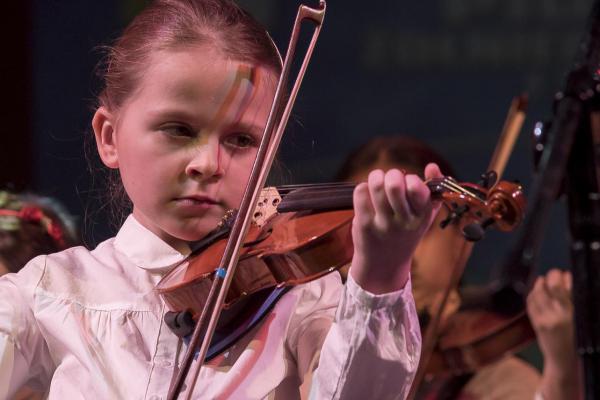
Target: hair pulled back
173	24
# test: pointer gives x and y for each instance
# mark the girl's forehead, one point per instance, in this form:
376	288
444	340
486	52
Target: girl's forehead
199	81
190	72
200	74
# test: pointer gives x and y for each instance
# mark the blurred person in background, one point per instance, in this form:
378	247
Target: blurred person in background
31	225
437	253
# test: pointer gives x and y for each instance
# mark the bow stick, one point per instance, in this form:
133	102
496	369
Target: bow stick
267	149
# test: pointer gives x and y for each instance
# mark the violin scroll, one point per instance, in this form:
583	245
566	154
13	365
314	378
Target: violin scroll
476	208
507	204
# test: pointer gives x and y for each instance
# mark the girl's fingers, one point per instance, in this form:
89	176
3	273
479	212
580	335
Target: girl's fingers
378	194
418	195
396	197
363	209
395	190
432	171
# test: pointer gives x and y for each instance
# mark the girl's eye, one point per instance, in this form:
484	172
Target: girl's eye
178	131
240	140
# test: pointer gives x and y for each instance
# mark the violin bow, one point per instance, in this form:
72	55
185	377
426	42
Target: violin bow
267	149
504	146
509	135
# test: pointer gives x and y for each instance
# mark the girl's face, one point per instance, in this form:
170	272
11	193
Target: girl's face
186	139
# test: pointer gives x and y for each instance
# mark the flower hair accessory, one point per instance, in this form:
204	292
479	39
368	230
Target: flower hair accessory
13	211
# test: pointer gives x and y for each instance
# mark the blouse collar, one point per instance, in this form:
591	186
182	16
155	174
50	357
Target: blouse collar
144	248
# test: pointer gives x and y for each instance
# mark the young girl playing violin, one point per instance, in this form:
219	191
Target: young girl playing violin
188	88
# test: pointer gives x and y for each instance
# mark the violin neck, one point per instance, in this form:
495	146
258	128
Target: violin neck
315	197
330	196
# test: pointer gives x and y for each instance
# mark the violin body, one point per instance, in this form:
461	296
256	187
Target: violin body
476	338
289	249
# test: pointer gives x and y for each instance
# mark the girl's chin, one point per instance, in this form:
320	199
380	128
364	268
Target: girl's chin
196	230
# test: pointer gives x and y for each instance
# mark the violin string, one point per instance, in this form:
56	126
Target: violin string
444	183
285	189
449	182
456	188
327	190
333	185
321	193
288	188
315	185
459	189
462	189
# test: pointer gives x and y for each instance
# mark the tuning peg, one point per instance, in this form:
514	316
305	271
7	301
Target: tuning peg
445	222
488	179
454	215
475	231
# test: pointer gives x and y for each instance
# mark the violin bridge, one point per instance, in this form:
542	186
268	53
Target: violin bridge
266	207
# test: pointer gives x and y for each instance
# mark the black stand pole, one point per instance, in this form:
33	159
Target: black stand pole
584	220
571	157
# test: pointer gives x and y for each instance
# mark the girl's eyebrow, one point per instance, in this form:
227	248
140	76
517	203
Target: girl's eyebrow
248	128
173	113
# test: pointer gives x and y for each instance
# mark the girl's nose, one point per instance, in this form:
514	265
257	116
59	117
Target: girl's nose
205	163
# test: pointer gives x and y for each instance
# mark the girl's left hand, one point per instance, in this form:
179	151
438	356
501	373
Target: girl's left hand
392	211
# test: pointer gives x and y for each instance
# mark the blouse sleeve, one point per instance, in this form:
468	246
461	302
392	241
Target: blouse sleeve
372	348
24	358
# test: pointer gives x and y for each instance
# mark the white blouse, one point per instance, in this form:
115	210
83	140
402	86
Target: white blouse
83	324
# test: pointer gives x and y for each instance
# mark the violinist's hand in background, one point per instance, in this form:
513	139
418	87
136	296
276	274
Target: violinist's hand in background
550	311
392	211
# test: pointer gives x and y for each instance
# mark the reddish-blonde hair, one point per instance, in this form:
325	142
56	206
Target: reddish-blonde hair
172	24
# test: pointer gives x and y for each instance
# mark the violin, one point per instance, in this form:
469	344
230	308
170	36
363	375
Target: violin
476	338
301	233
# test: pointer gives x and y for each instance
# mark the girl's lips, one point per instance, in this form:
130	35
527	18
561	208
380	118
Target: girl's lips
196	203
199	199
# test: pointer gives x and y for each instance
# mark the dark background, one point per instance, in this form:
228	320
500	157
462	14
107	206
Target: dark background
441	70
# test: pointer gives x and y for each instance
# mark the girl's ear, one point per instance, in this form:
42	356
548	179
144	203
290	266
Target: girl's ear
104	124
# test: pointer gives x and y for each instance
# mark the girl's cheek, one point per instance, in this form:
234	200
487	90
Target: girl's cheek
240	162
